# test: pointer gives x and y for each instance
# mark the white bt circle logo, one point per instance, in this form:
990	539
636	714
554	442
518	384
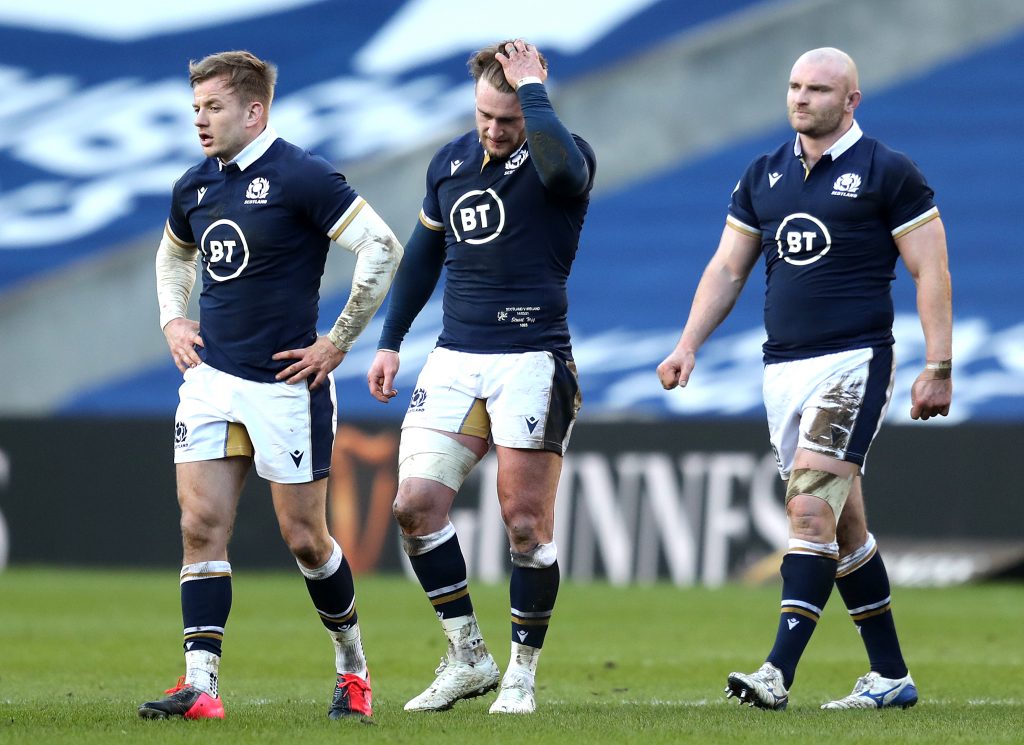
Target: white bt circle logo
802	239
225	250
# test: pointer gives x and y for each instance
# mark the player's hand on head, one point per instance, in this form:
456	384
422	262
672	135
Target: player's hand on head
519	60
381	376
313	363
930	397
675	370
182	336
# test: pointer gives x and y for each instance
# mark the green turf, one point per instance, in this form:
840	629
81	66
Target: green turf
79	650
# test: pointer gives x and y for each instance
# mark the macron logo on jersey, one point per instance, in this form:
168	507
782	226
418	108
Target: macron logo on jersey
773	179
202	193
455	166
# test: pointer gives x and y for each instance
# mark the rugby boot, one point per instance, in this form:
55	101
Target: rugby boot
875	692
352	697
516	694
764	689
455	681
183	701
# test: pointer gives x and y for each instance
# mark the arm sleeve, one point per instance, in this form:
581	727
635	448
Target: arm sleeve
414	284
175	276
378	254
561	164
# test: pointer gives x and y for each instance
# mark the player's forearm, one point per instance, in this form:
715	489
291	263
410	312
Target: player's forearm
378	254
175	277
935	309
417	277
559	162
712	302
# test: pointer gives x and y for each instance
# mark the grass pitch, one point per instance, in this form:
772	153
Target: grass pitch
79	650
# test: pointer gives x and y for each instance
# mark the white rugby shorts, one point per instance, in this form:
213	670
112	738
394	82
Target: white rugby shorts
523	400
833	404
288	430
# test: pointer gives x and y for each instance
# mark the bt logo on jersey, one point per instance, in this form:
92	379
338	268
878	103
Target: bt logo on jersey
477	216
802	239
225	250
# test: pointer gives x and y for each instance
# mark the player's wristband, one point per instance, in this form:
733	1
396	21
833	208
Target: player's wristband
942	370
527	81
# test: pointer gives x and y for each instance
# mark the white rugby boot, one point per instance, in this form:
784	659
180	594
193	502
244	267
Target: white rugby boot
764	689
466	671
875	692
516	694
457	679
517	686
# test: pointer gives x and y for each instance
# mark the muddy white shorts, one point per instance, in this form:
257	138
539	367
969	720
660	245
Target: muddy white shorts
288	430
833	404
517	400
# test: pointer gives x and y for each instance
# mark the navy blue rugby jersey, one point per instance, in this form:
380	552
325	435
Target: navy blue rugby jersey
263	225
509	247
828	240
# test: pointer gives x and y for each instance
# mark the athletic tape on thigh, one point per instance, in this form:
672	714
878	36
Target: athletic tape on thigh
540	556
830	487
426	454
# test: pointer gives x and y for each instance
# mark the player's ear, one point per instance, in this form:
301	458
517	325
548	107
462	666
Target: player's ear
255	112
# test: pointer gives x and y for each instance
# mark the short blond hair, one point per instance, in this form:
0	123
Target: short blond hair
251	78
482	65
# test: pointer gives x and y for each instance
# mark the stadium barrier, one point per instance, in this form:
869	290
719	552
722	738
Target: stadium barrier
691	502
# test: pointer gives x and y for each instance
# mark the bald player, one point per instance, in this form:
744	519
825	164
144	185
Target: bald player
830	212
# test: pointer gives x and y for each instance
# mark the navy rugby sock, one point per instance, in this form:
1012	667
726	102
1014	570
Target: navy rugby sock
532	594
443	576
865	591
205	604
807	581
334	597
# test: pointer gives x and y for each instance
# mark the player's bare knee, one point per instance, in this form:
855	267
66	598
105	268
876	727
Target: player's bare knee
524	530
409	517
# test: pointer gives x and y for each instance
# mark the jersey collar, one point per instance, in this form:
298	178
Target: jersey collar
840	146
253	151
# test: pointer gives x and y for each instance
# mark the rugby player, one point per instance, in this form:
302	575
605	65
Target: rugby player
261	214
503	212
831	212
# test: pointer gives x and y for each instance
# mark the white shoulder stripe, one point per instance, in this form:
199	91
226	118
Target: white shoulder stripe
742	226
430	223
916	222
346	217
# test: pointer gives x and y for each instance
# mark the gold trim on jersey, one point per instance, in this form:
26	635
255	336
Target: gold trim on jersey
742	227
430	224
346	218
914	224
175	239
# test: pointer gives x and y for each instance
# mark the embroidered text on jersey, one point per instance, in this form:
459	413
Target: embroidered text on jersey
257	192
846	185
